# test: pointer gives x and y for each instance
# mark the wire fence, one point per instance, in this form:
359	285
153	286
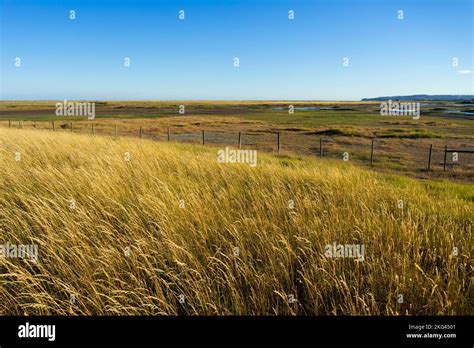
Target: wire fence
395	153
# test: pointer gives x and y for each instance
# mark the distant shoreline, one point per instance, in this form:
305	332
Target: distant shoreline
424	97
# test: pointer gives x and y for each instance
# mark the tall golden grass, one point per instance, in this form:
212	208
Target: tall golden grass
131	247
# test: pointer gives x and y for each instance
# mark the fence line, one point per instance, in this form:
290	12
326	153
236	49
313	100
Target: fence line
446	151
279	137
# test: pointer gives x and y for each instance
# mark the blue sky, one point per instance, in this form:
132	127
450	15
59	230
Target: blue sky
194	58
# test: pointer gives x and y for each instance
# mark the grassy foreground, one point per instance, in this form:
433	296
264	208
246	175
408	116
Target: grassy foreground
144	235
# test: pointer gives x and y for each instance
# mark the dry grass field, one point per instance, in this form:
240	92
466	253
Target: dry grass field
128	226
401	146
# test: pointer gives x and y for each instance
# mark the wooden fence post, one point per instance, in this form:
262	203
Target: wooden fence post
9	123
240	140
71	126
445	154
19	124
53	126
34	124
429	157
279	142
168	133
141	132
203	136
372	153
321	147
115	131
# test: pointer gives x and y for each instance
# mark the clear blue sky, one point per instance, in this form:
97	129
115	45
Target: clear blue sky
193	59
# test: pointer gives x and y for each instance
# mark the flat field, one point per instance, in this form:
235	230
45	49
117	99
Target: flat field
401	143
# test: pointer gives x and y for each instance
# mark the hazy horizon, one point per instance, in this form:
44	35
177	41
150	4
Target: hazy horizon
243	100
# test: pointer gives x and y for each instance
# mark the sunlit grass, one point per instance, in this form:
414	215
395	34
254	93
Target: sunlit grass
130	247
